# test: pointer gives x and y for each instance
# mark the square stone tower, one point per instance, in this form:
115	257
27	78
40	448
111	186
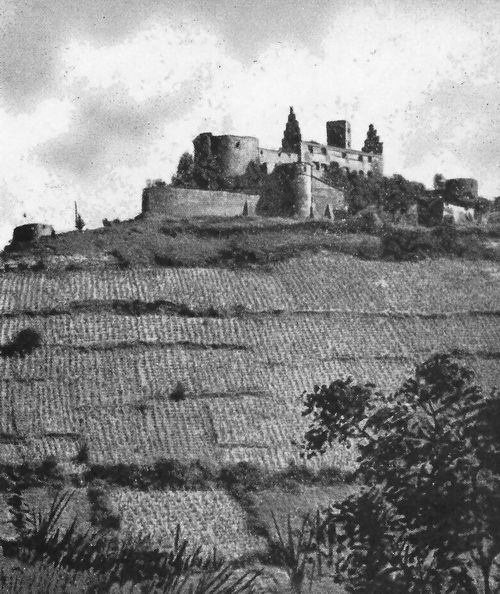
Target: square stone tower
338	133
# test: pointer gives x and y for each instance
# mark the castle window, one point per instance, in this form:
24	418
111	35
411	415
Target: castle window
238	144
261	152
323	166
360	158
311	149
344	155
335	165
316	164
323	150
370	159
362	173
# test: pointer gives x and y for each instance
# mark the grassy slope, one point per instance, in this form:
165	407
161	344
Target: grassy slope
148	241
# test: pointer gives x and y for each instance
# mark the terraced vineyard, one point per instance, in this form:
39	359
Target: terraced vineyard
209	518
244	344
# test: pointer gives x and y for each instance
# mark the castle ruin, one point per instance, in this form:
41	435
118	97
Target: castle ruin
234	153
307	162
312	193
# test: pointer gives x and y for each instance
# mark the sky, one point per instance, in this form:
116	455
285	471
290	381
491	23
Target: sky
96	96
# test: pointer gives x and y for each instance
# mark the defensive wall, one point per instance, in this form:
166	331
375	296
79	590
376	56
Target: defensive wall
185	203
326	200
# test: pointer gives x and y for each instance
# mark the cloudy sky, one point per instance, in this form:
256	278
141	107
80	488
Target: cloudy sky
96	96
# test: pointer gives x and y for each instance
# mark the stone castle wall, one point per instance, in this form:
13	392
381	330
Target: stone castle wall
269	158
324	196
321	156
184	203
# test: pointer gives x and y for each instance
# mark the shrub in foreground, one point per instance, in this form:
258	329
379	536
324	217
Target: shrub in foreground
428	517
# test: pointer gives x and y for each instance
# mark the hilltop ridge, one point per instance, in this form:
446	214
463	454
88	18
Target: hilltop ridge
239	241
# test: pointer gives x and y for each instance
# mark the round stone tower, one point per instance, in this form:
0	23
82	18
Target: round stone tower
460	189
234	153
302	186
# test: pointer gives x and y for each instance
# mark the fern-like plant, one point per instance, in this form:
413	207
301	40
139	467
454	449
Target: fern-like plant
296	551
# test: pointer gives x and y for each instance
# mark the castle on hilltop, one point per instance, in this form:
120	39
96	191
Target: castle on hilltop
232	157
235	153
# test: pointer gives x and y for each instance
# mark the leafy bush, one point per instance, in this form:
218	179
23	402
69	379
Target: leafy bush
23	343
178	393
428	519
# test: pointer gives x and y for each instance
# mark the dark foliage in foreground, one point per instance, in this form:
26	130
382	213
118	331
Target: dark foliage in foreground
428	517
108	561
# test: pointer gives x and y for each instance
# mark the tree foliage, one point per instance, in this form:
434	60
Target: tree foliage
393	196
184	176
372	142
428	516
207	171
79	222
277	196
291	136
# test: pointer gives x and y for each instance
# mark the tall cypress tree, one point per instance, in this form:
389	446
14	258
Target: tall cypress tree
291	137
372	142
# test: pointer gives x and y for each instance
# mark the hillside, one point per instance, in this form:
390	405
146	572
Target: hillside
244	344
245	241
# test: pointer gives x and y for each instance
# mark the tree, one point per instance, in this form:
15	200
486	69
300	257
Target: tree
252	179
277	192
392	195
428	516
372	142
79	222
207	173
292	136
184	178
